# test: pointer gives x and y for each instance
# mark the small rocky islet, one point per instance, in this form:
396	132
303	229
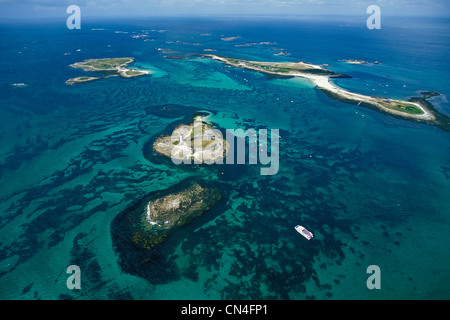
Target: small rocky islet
161	212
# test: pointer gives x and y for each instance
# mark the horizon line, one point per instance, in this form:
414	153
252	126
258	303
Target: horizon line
213	15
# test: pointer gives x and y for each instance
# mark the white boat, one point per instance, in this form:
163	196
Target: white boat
308	235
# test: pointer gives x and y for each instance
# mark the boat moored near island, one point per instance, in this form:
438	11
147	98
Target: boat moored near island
307	234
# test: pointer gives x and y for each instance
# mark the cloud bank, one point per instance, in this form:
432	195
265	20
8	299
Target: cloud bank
54	8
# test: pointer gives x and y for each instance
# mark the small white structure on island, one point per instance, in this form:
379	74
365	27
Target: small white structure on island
181	138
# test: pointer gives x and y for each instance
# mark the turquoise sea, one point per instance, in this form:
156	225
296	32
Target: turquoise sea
374	189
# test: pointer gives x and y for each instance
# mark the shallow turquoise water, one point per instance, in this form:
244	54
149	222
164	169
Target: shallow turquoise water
372	188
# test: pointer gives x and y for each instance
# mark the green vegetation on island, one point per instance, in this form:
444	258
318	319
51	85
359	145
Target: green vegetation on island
108	67
107	64
414	109
82	79
196	141
291	69
401	106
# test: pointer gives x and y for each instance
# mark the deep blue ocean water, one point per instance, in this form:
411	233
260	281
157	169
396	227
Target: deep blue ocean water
372	188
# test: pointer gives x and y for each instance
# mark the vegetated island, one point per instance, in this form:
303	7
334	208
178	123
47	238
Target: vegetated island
108	67
416	109
196	141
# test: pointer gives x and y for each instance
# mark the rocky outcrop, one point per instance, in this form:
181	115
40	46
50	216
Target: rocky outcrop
159	214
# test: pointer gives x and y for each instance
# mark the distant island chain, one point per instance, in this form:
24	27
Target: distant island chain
415	109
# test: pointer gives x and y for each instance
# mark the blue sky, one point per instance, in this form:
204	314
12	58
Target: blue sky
126	8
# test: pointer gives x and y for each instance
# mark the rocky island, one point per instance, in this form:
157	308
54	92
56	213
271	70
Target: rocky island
108	67
415	109
229	38
152	220
353	61
197	141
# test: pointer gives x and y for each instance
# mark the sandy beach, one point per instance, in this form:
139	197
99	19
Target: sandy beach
322	81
